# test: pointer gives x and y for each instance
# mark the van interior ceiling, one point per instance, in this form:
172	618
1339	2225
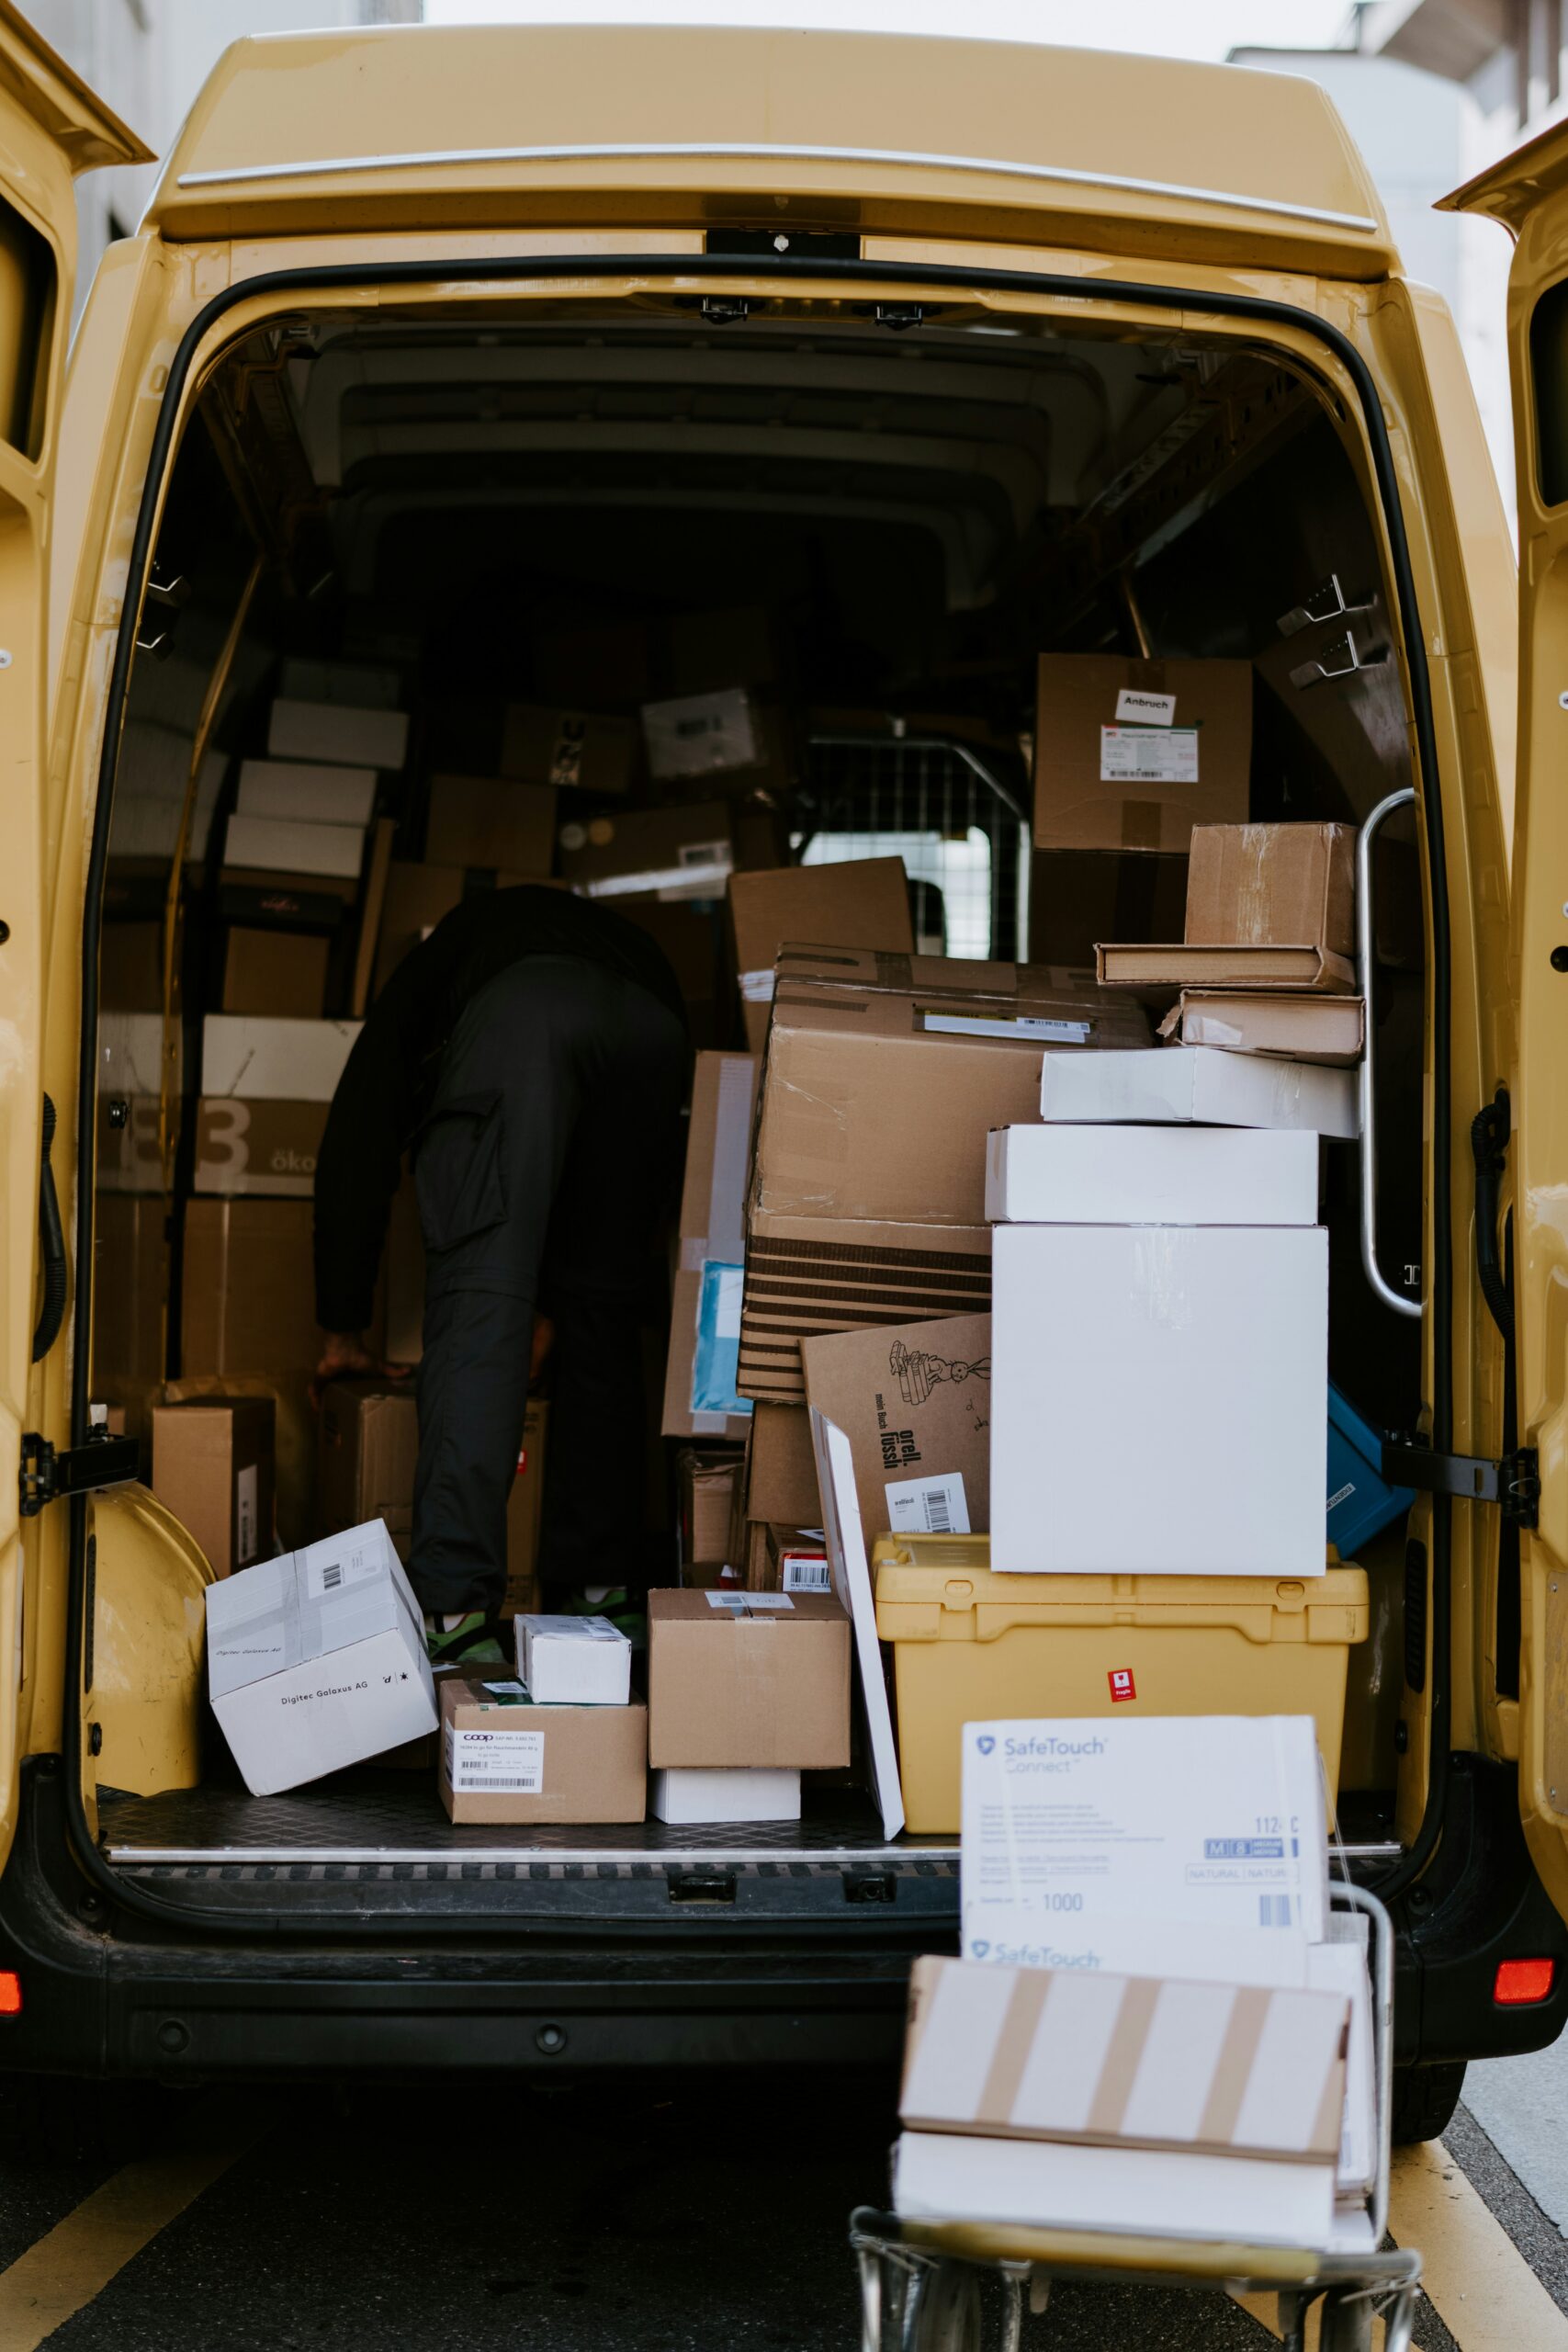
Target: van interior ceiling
524	505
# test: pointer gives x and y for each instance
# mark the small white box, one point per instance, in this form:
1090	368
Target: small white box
1157	1399
1201	1084
684	1793
696	734
345	734
288	846
312	792
574	1661
1159	1175
263	1058
317	1660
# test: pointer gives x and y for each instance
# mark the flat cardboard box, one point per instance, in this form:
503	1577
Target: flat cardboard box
1327	1029
1093	2057
525	1509
1202	1084
417	898
850	1570
1079	895
505	1759
1165	969
1130	755
1213	1341
570	751
212	1465
263	1148
293	846
573	1661
915	1403
1062	1175
278	974
808	1275
1267	886
963	994
709	1488
781	1467
274	1061
248	1296
491	821
368	1449
747	1678
862	903
712	1250
307	791
669	854
316	1660
339	732
689	1794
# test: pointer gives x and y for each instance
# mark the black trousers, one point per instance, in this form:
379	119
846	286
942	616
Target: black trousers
543	1173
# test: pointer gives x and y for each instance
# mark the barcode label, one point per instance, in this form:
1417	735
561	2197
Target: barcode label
329	1568
928	1505
1274	1910
511	1762
802	1573
332	1576
939	1518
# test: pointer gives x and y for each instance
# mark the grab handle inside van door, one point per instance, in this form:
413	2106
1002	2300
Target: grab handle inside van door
51	1241
1366	958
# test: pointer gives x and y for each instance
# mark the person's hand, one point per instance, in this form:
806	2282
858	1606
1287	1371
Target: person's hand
544	1340
345	1356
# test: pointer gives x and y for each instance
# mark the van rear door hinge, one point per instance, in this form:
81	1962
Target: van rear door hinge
1514	1484
46	1475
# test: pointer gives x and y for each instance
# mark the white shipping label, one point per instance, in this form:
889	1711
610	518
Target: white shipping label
1032	1028
928	1505
247	1536
1148	755
749	1604
806	1572
757	988
1135	705
727	1308
356	1567
499	1763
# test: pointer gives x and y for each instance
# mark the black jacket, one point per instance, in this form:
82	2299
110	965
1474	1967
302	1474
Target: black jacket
387	1085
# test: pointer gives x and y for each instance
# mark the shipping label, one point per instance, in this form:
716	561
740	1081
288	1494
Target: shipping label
1148	755
928	1505
1029	1028
356	1566
247	1534
494	1763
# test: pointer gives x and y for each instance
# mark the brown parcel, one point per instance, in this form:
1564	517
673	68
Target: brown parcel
249	1297
257	1146
1040	987
294	1439
1272	886
1078	897
781	1467
805	1275
1104	780
1167	967
1302	1028
576	1763
369	1446
736	1686
709	1485
713	1226
863	903
278	973
915	1403
213	1466
482	820
569	749
682	853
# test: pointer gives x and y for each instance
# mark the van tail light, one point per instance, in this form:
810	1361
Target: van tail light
1519	1981
10	1994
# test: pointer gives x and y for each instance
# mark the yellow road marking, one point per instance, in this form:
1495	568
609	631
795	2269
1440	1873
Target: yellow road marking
64	2270
1482	2287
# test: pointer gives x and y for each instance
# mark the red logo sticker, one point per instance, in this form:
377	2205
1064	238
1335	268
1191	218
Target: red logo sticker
1122	1683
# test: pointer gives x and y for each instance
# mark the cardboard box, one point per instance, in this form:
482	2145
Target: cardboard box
573	1661
1213	1341
699	735
1328	1029
851	1585
684	1794
505	1759
130	967
1272	886
747	1678
274	1061
291	845
1132	755
669	854
306	792
915	1403
212	1465
248	1295
781	1467
340	732
697	1402
417	898
1201	1084
798	1560
277	974
316	1660
286	1395
1046	1002
709	1486
491	821
1090	2057
525	1510
369	1447
808	1275
570	751
1164	969
1077	898
268	1148
1151	1175
862	903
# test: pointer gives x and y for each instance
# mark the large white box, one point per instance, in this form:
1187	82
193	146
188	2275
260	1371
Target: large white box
1157	1400
317	1660
290	845
347	735
311	791
264	1058
1201	1084
696	1792
1157	1175
573	1661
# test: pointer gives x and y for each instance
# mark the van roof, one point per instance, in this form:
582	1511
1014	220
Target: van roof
682	128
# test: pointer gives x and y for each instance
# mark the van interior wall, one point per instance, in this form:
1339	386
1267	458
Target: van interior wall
884	529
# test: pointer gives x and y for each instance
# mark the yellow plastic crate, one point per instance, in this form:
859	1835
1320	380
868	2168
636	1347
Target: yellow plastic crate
970	1647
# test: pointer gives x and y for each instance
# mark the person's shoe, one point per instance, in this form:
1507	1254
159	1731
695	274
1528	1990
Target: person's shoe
469	1639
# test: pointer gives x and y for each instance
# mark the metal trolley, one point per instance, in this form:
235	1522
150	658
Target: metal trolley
921	2281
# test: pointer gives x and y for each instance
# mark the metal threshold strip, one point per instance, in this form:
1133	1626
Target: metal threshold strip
655	1857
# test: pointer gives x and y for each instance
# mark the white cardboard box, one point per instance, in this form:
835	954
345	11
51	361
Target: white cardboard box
344	733
264	1060
1157	1399
694	734
1262	2200
696	1792
1214	1823
316	1659
573	1661
288	846
311	791
1199	1084
1155	1175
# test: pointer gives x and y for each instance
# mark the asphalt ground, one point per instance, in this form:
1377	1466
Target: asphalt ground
655	2216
